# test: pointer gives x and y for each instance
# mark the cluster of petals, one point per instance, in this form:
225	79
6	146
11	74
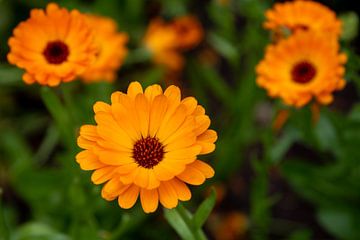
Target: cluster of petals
111	46
305	64
57	45
302	15
166	40
146	144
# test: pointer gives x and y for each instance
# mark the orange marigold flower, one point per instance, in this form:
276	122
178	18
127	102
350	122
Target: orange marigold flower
146	144
304	15
52	46
161	40
112	49
301	67
189	31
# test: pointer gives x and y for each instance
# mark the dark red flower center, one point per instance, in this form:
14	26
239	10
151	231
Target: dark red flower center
303	72
56	52
182	29
299	27
148	152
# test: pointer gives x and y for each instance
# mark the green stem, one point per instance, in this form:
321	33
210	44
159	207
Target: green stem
183	223
61	116
70	104
198	233
261	202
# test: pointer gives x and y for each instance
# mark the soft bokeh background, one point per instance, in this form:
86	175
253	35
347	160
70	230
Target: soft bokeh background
302	182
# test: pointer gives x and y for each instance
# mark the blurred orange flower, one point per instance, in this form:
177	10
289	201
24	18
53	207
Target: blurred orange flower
189	31
304	66
304	15
161	40
166	40
146	143
52	46
229	226
112	49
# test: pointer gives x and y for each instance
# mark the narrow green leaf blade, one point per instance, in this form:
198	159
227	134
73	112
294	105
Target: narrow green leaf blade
179	224
204	210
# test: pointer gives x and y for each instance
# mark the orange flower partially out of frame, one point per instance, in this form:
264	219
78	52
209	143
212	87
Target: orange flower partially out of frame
146	143
302	15
52	46
112	49
304	66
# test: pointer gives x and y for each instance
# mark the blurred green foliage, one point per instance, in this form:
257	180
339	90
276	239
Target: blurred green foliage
44	195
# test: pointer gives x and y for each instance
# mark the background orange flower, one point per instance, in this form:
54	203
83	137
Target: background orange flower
52	46
111	46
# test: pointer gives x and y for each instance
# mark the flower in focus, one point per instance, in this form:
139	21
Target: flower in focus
302	15
189	31
146	144
112	49
52	46
304	66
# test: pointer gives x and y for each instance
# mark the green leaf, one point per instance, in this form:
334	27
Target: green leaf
204	210
350	27
343	224
355	113
282	146
180	223
38	231
224	47
211	79
325	133
10	75
303	234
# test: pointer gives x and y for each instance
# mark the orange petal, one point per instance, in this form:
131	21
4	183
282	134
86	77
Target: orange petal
157	113
115	157
202	124
102	175
161	173
203	167
101	107
168	195
134	89
209	136
173	94
143	112
192	176
88	160
149	200
142	177
170	125
190	103
115	97
84	143
153	181
113	188
89	132
128	198
152	91
181	189
185	153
